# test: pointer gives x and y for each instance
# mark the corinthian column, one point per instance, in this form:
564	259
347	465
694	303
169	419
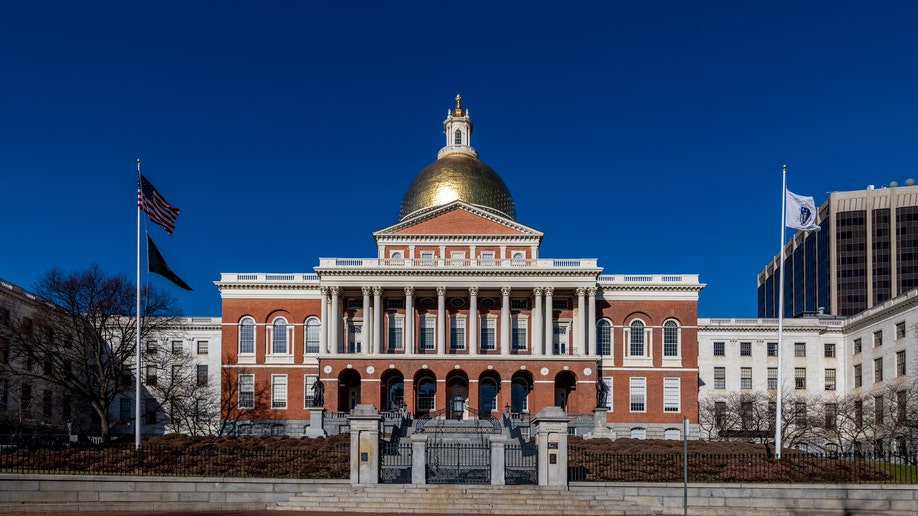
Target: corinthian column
549	323
378	339
409	320
441	320
579	337
591	321
334	322
505	320
323	320
473	321
367	318
537	321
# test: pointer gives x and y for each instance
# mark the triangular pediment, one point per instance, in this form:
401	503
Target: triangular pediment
458	218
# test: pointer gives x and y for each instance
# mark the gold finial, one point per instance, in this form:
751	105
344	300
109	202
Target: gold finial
458	110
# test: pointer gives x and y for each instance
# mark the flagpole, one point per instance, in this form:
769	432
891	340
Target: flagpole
137	329
781	315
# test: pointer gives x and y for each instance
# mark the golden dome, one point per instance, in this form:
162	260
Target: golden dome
458	177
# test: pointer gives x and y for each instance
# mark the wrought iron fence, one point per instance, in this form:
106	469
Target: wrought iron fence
330	462
793	467
520	463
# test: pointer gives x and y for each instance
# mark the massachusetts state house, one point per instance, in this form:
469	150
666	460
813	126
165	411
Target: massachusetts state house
457	311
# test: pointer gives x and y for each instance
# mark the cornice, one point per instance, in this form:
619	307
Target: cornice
455	205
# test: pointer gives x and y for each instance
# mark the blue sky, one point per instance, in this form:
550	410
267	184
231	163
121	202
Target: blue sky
649	135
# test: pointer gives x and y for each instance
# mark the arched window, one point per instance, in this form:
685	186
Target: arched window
603	337
279	344
637	339
670	338
457	138
638	433
247	336
487	395
519	395
312	335
427	393
671	434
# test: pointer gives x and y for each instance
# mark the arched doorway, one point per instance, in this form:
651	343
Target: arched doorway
392	394
425	392
520	387
564	384
488	388
348	390
457	395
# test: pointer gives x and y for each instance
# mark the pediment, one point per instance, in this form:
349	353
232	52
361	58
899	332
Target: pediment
458	218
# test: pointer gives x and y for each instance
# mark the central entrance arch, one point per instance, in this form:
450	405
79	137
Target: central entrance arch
348	390
457	395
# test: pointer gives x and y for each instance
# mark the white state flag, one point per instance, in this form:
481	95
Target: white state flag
800	212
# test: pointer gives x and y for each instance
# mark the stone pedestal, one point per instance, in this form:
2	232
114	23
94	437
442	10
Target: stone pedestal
316	423
498	460
600	430
551	439
418	459
365	421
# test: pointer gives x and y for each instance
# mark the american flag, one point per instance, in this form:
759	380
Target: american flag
159	210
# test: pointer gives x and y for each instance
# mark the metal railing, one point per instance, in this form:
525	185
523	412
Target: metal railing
793	467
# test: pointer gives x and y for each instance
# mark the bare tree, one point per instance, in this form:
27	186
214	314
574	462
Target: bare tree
253	406
188	402
85	340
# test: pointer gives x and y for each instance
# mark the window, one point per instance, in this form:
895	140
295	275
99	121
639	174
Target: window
152	408
456	333
396	258
670	339
800	378
202	375
457	258
638	394
858	375
519	304
278	391
559	304
830	379
636	348
152	346
488	258
247	336
127	409
427	327
859	414
831	415
772	349
397	333
488	327
829	350
487	395
457	137
857	345
355	338
671	395
603	337
746	414
518	258
395	303
427	391
672	434
518	334
427	258
47	403
878	370
720	378
203	347
878	338
799	349
309	386
519	395
247	391
151	375
25	399
878	410
900	363
312	335
719	349
176	347
608	382
901	413
745	378
720	413
638	433
279	337
800	414
900	330
772	378
745	349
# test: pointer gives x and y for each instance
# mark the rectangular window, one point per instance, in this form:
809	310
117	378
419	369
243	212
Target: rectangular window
127	409
857	345
355	303
456	333
247	391
488	327
203	347
746	414
395	303
772	349
745	378
745	349
800	378
279	339
152	409
488	258
519	304
247	339
900	363
671	394
355	338
878	410
772	378
718	349
878	370
176	347
800	414
638	394
559	304
720	414
859	414
900	330
720	378
396	333
608	382
858	375
313	328
799	349
901	412
670	340
518	334
830	379
278	391
309	386
427	258
202	375
152	346
831	415
427	335
829	350
878	338
151	375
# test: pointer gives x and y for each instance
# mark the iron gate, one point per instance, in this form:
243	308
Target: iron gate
458	463
395	462
521	461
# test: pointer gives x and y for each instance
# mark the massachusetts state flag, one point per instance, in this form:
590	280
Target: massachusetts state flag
800	212
155	205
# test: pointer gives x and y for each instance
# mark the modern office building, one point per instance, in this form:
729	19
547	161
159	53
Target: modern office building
456	313
865	254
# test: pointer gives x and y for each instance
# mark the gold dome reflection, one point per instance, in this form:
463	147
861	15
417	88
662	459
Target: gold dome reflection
458	177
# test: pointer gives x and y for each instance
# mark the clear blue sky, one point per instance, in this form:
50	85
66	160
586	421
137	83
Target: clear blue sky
649	135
